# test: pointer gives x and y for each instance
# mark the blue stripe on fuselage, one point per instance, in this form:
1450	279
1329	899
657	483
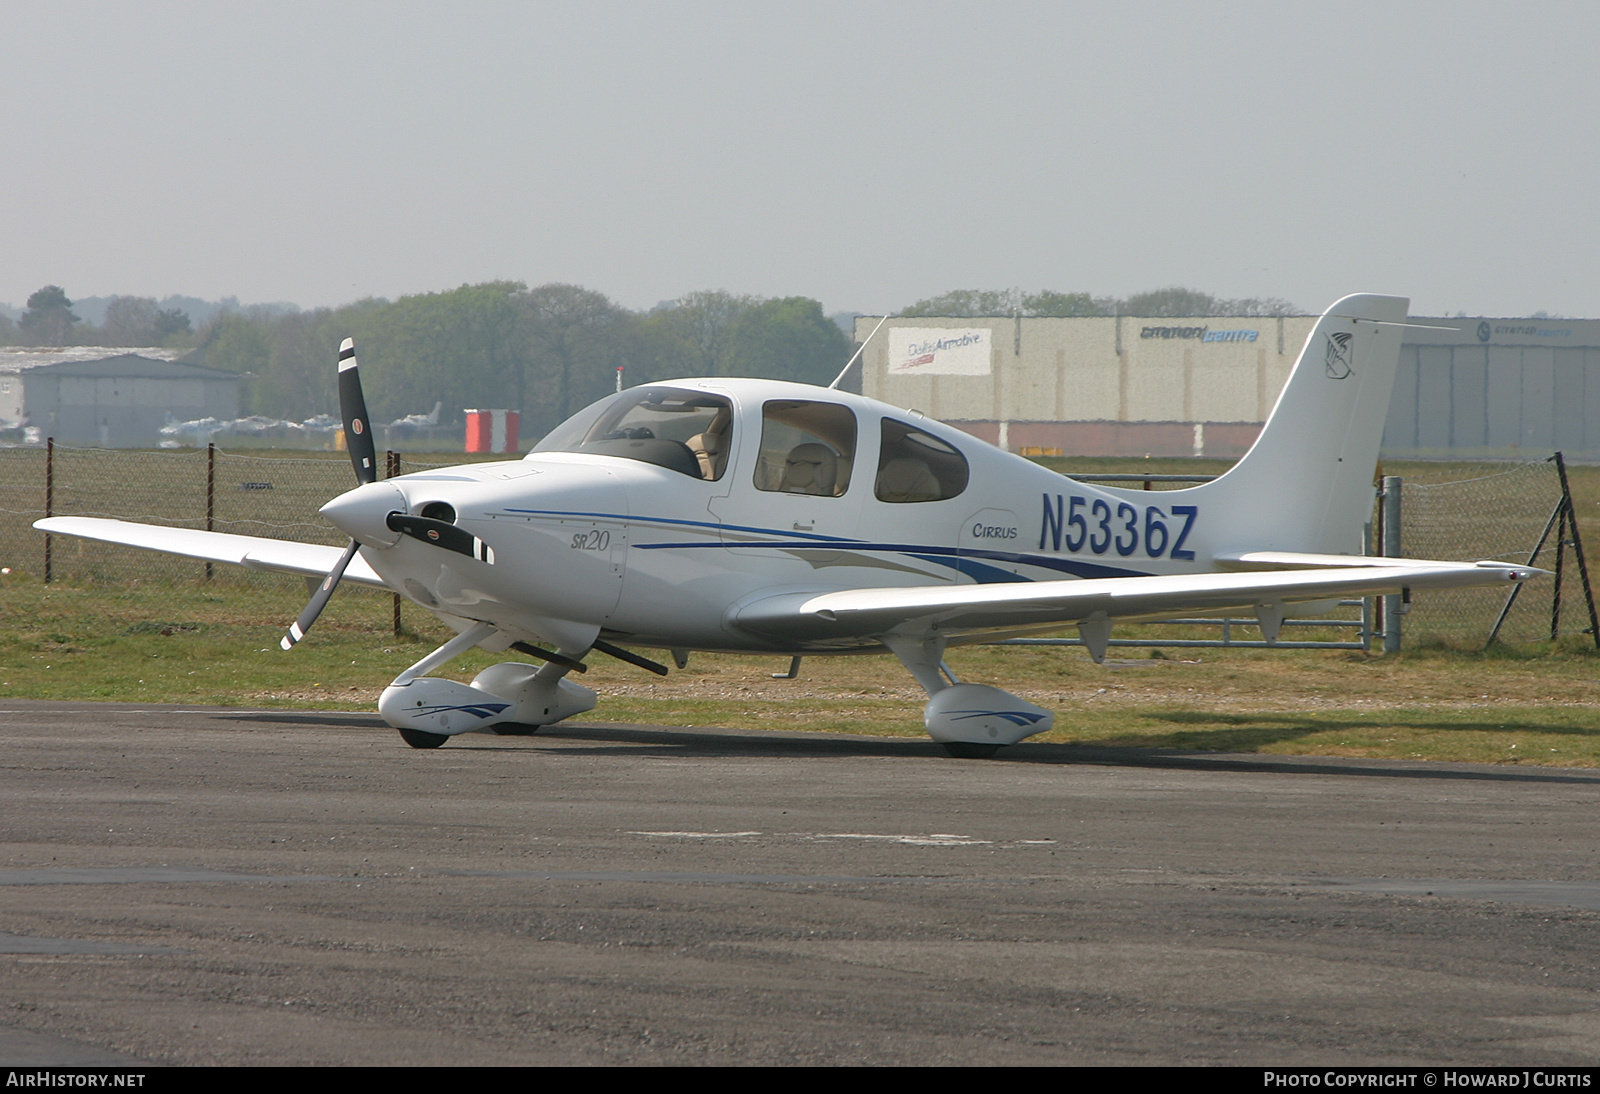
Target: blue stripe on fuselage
963	561
678	521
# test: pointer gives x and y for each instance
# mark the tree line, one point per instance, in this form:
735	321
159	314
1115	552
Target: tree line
129	321
546	351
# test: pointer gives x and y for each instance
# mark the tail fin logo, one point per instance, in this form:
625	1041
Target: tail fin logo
1337	361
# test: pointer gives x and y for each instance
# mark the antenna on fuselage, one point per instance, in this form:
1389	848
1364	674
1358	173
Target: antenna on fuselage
859	350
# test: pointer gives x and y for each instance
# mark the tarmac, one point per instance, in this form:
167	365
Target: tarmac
184	886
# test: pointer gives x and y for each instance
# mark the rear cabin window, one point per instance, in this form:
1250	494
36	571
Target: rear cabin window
916	466
685	431
806	448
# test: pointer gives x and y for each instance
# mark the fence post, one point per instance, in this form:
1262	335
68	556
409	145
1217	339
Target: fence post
1561	550
1557	523
1577	550
211	491
1389	530
49	497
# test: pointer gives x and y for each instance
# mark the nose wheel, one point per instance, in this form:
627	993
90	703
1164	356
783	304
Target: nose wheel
421	738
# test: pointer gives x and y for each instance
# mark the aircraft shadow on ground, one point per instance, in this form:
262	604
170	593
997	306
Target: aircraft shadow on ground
1249	732
342	719
659	741
1175	751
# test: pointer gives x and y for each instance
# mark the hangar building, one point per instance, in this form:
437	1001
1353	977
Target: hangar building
1130	386
108	398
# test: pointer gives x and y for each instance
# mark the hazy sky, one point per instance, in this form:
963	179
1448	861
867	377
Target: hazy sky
863	153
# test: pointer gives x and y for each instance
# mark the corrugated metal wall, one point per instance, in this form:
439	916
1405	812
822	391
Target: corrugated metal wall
1495	401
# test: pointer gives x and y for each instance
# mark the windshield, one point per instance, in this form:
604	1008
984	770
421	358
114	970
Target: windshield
684	431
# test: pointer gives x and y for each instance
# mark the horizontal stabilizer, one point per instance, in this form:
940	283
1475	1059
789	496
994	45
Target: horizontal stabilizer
253	552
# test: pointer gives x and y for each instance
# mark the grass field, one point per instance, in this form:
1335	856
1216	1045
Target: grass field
165	636
1526	704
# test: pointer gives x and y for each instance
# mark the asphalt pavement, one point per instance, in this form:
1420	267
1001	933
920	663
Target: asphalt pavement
211	886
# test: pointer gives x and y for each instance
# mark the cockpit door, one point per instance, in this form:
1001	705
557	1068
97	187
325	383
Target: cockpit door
796	488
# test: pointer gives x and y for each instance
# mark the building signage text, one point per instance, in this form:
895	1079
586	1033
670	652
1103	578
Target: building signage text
938	351
1204	334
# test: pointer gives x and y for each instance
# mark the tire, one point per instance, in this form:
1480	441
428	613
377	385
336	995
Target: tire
421	738
514	729
966	750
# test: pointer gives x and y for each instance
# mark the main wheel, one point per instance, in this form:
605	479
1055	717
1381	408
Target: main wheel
514	729
421	738
966	750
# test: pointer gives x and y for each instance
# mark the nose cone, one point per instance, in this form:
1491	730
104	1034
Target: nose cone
362	513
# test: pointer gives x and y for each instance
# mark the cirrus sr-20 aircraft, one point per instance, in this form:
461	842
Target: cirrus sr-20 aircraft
756	516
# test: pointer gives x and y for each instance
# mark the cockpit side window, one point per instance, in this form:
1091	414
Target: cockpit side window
916	466
806	448
685	431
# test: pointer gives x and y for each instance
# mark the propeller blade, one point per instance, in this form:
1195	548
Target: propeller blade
364	458
441	534
353	408
319	600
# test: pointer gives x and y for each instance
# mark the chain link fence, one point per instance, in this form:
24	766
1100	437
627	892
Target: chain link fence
1490	511
274	496
1494	511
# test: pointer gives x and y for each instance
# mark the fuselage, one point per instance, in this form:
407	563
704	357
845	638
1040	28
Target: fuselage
660	550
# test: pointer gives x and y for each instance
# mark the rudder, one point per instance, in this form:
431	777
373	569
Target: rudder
1306	483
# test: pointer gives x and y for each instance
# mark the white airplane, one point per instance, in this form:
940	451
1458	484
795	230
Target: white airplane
420	421
755	516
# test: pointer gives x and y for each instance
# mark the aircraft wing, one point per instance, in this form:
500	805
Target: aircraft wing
253	552
1013	605
1300	560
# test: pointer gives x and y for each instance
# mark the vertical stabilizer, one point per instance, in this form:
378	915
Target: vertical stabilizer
1306	484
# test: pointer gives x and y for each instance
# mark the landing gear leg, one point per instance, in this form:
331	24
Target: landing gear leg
971	721
428	711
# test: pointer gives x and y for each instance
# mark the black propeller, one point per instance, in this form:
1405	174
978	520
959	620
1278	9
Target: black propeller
363	457
441	533
353	408
319	599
